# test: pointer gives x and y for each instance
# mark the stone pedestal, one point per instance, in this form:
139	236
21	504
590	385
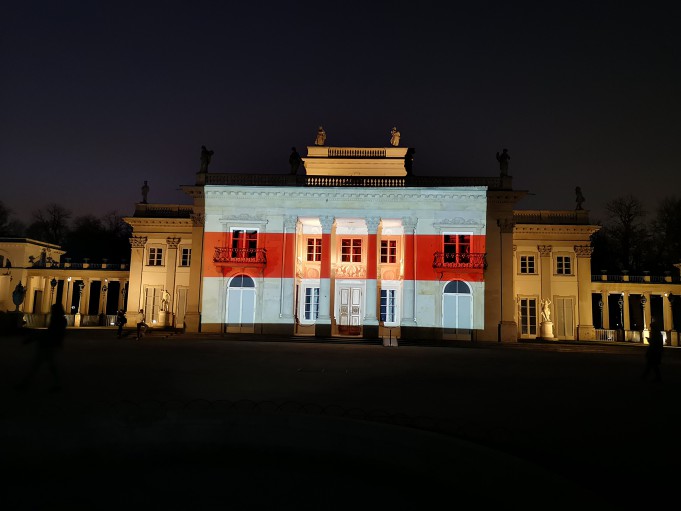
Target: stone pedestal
546	330
163	318
76	320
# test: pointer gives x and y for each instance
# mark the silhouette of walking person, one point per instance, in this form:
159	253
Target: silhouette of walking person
46	345
121	320
654	352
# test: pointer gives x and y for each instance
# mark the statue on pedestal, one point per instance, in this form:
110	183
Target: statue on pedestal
545	311
580	198
321	137
503	159
206	156
145	192
394	136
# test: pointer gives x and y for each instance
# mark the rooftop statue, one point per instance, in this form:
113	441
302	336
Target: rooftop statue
206	156
580	198
145	192
503	159
321	137
394	137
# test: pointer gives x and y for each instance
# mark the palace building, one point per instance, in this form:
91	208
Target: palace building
360	247
353	246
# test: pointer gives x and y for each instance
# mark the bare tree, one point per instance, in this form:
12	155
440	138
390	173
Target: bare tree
626	231
50	225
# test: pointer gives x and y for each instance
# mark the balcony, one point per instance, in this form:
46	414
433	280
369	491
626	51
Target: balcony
240	257
467	261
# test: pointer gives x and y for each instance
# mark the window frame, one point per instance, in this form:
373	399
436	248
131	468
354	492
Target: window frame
462	249
314	255
559	261
309	288
155	256
394	288
532	323
188	259
389	255
354	252
528	256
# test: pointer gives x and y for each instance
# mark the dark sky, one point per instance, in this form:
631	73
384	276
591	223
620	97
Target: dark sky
96	97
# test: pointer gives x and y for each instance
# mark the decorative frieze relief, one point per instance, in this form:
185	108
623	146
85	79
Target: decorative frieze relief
390	196
445	223
350	271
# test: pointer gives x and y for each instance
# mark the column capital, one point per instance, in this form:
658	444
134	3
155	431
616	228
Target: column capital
506	224
173	242
198	219
409	223
138	241
290	222
583	250
372	223
327	223
544	250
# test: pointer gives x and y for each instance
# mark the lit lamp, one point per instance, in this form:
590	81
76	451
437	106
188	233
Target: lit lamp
53	284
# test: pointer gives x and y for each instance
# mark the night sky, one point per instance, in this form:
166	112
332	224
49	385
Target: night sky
97	97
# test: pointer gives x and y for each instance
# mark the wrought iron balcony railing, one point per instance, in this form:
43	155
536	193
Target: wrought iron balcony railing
240	256
469	260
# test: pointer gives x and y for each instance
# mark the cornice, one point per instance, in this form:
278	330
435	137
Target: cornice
388	195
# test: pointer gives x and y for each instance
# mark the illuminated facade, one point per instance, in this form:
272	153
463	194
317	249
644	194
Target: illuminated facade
354	248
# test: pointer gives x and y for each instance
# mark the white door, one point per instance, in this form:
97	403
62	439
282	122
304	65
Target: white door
350	312
564	318
241	305
457	306
181	306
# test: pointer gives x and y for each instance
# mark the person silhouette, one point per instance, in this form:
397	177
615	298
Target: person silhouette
121	320
47	342
295	160
654	352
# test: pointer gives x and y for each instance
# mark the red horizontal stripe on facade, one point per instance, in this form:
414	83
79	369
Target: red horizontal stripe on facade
280	256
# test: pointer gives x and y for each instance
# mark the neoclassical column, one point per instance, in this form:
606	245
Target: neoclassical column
288	269
508	327
323	326
605	308
137	244
545	270
626	322
121	295
192	318
370	320
85	297
409	256
585	327
171	270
